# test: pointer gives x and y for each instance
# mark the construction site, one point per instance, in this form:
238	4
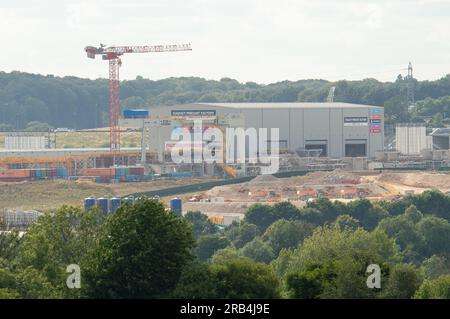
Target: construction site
336	185
344	149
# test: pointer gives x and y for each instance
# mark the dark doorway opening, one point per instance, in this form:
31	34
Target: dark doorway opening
321	147
355	150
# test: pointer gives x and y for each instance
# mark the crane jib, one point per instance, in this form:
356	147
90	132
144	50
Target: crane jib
112	54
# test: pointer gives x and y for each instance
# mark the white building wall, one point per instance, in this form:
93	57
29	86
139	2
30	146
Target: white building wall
411	140
26	142
300	125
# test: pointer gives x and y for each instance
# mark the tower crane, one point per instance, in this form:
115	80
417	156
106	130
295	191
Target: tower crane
113	54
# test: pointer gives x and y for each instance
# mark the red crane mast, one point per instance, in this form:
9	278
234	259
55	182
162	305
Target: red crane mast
112	54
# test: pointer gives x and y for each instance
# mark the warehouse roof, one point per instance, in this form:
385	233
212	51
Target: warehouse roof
441	132
60	151
294	105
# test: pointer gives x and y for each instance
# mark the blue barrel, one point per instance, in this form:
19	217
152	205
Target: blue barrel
89	202
128	200
103	204
176	205
115	203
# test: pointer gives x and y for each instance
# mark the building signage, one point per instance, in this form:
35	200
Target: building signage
375	116
375	130
375	121
375	126
355	121
375	111
165	122
193	114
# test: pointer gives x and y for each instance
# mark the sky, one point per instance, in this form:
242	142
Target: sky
263	41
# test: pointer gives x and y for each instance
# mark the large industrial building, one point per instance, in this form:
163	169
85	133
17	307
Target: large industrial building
337	130
311	136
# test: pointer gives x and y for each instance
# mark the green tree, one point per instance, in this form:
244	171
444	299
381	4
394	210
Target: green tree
133	102
35	126
324	211
287	234
83	103
245	279
141	252
404	230
6	127
436	266
281	263
7	293
201	225
33	284
403	282
258	250
433	203
342	257
307	284
260	215
58	239
225	255
435	289
346	221
9	245
196	282
366	213
285	210
7	282
209	244
246	233
436	233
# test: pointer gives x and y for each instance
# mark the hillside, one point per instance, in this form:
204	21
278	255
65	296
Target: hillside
82	103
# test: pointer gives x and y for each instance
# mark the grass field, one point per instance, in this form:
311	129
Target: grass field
45	195
89	139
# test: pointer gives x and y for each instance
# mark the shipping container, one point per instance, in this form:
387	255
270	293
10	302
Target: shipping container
62	172
181	174
14	179
110	171
137	170
103	179
135	113
15	173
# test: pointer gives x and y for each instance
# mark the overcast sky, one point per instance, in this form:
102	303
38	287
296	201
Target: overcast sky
250	40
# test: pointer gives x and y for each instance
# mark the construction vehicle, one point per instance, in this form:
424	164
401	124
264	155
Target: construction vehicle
230	171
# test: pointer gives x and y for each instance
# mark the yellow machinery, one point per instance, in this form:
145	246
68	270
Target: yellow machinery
230	171
216	219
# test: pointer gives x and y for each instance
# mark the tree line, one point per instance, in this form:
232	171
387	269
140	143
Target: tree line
82	103
280	251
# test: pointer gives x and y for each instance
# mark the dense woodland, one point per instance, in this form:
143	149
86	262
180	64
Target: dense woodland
320	251
81	103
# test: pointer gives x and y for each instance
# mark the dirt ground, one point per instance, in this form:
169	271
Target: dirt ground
45	195
417	182
375	186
